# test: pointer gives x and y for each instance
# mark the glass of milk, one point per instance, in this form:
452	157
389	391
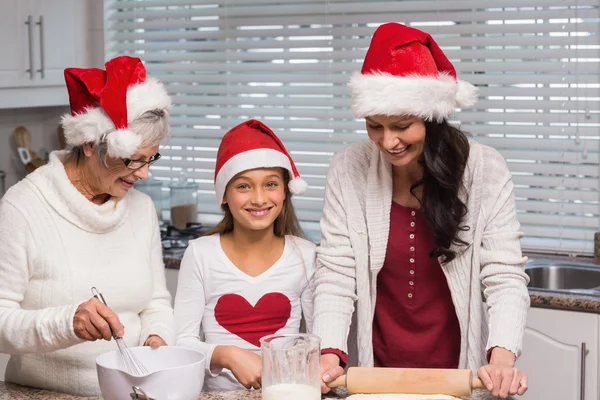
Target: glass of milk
291	367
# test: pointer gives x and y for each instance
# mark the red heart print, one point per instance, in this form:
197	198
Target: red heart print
270	313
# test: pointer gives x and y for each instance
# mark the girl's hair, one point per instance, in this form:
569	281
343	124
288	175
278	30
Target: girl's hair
445	156
285	224
152	126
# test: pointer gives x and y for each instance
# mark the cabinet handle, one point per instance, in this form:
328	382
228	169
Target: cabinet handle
584	353
42	66
29	24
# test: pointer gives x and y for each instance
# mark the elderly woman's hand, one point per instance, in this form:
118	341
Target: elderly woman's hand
93	320
155	341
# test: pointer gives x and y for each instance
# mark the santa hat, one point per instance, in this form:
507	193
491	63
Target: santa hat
406	73
252	145
104	102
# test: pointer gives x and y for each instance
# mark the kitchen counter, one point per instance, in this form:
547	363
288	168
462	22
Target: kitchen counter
541	299
172	258
14	392
565	301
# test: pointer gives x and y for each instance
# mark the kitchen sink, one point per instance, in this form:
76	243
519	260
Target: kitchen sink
564	276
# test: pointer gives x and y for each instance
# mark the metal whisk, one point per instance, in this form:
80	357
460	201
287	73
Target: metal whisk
133	366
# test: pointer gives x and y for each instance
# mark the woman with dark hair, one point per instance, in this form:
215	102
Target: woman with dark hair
419	224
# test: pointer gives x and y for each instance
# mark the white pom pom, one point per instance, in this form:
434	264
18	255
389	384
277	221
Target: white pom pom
466	95
298	186
122	143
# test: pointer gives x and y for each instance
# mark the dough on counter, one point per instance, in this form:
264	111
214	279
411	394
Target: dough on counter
401	397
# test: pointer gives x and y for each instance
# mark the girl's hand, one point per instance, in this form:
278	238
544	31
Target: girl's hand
155	341
330	369
501	377
93	320
245	365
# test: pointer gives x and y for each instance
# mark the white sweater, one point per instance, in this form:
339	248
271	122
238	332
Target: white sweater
56	245
355	227
218	304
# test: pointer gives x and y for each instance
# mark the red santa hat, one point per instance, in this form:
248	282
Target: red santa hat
406	73
252	145
104	102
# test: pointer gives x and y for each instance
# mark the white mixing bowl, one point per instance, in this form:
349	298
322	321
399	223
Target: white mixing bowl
174	373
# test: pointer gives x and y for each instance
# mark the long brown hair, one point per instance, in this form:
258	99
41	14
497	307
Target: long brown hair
286	223
444	161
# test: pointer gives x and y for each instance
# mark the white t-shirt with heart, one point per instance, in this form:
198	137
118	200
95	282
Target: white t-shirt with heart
218	304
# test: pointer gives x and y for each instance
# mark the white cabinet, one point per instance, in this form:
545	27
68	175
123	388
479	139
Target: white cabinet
557	347
38	40
12	29
63	34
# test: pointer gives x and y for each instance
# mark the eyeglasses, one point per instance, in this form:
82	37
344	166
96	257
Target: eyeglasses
137	164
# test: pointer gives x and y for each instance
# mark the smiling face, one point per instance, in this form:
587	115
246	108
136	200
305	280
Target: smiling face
256	198
400	138
113	177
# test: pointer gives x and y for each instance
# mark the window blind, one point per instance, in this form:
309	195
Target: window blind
287	62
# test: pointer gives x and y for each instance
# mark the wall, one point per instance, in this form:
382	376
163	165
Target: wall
42	122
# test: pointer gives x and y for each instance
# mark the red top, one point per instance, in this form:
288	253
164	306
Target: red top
415	324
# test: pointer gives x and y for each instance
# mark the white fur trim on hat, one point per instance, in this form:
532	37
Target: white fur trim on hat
251	159
430	98
86	127
146	96
122	143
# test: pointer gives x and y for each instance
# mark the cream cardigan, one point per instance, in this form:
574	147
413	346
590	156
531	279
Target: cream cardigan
354	235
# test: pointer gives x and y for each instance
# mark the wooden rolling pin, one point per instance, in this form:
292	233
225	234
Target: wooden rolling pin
453	382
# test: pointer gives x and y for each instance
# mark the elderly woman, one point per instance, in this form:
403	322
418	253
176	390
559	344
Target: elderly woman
418	223
77	223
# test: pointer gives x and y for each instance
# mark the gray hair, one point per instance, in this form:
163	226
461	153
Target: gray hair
152	126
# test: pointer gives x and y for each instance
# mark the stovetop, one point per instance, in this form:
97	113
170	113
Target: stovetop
175	240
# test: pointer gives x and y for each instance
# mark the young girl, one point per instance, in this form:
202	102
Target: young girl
251	277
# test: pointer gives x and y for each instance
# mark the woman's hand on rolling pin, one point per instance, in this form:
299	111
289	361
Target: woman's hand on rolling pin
501	377
93	320
330	370
155	341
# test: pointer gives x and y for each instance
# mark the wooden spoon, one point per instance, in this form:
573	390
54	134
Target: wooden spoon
22	137
23	141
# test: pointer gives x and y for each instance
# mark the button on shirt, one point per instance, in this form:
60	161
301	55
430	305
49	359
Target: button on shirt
415	324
